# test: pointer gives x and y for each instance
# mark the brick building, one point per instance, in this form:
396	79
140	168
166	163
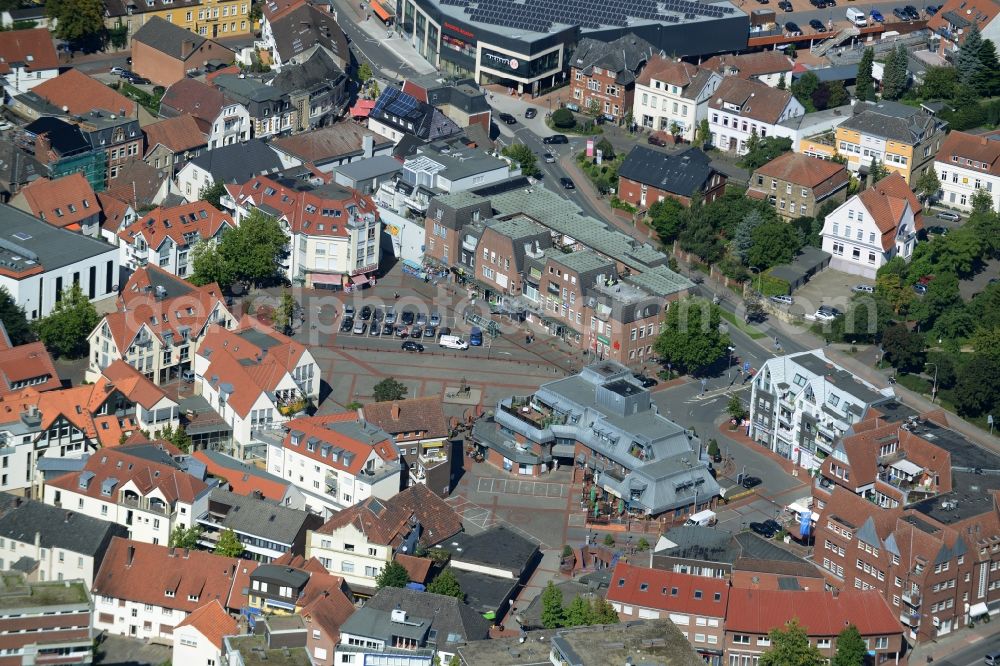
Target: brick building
602	74
647	176
797	185
164	52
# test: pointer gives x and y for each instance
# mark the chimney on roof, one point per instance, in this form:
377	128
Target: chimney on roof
131	555
983	141
394	411
368	145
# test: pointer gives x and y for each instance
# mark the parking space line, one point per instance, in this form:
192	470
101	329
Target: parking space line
559	490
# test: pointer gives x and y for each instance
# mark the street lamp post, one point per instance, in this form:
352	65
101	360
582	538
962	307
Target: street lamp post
934	387
754	269
729	366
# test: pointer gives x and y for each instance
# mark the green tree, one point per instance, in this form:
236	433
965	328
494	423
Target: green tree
803	89
939	83
389	390
990	67
782	84
563	119
773	243
15	322
691	339
851	648
713	448
213	194
208	266
178	437
790	647
668	218
891	288
182	537
704	133
553	614
578	613
392	575
65	330
896	77
838	95
77	20
735	408
903	348
982	201
968	64
876	171
703	241
606	148
942	294
764	151
255	249
864	88
977	392
524	157
364	72
810	230
446	584
229	545
603	612
743	237
285	312
928	184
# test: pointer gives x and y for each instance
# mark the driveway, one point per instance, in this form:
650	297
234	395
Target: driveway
978	282
121	651
828	287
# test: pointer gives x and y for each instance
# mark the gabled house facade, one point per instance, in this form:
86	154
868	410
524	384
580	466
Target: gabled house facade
223	120
165	236
172	143
740	108
966	164
68	202
797	185
603	73
27	59
293	32
672	94
420	430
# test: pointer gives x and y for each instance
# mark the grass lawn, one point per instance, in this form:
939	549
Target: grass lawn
738	323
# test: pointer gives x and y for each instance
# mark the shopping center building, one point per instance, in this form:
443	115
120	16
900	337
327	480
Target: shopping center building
525	45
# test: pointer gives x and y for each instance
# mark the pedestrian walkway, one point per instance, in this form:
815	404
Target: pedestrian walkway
382	37
939	649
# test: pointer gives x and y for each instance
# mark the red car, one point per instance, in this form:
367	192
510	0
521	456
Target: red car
656	140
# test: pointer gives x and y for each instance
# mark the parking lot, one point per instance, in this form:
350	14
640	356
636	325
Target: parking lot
519	487
828	287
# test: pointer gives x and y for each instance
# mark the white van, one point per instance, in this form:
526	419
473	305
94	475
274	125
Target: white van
857	17
453	342
704	518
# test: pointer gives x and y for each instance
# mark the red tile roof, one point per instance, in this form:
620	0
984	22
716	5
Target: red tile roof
143	573
245	481
176	134
190	96
979	12
212	621
804	170
820	613
318	428
959	149
26	363
81	94
418	417
33	48
748	65
675	72
655	588
757	101
145	475
304	210
328	611
886	202
113	211
184	224
387	522
63	201
418	568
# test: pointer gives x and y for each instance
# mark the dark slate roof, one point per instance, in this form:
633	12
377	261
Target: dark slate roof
624	56
892	121
167	38
319	71
682	173
498	547
65	138
451	618
302	28
485	593
428	123
239	162
55	527
260	517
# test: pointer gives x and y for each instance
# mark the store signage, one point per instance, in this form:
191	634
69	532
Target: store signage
502	60
461	31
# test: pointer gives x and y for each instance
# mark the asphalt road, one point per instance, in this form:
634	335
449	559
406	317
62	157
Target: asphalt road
368	49
838	14
972	655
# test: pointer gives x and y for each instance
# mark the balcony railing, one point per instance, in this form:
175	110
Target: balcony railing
910	619
912	599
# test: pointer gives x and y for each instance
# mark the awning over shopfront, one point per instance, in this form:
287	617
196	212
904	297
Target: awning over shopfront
978	610
327	278
359	279
362	108
381	11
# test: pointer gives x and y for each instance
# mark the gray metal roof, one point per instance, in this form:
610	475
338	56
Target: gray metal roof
239	162
27	242
893	121
259	517
453	621
372	167
168	38
22	519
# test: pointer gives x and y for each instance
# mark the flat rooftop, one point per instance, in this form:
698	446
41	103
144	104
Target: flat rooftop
971	498
639	642
255	652
27	243
16	593
966	456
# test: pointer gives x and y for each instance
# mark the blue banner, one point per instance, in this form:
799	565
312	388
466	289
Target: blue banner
805	523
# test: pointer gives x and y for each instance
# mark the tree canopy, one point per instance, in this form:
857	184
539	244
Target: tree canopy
182	537
774	243
253	251
64	331
690	339
524	157
791	647
229	545
761	151
851	648
446	584
553	613
15	322
213	193
393	574
389	389
77	20
896	77
864	88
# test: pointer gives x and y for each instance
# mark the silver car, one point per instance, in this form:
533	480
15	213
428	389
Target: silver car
782	300
863	289
949	216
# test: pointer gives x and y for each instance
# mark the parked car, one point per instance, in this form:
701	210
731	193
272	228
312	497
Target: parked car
762	529
430	332
507	118
556	138
5	125
785	6
411	346
567	184
366	313
349	311
793	29
435	319
575	108
921	289
937	230
656	140
647	382
390	316
782	299
751	482
774	525
347	325
530	112
549	158
901	14
817	25
407	318
948	216
818	4
863	289
360	328
421	319
375	330
763	2
912	12
416	331
932	10
118	71
386	329
402	331
877	16
377	314
827	313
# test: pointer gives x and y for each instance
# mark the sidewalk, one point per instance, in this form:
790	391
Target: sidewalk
386	38
941	648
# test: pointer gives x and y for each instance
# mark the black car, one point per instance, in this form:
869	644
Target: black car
347	325
921	289
932	10
817	25
377	315
386	329
818	4
750	482
375	330
937	231
912	12
407	318
411	346
774	525
366	313
762	529
507	118
556	138
901	14
785	6
530	112
567	184
430	332
656	140
416	331
647	382
793	29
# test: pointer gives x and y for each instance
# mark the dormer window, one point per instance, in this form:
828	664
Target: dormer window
193	597
167	593
59	212
72	208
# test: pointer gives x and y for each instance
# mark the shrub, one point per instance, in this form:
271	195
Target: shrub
563	119
772	286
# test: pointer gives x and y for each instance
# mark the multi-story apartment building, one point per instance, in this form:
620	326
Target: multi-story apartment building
336	461
696	604
420	431
872	227
166	234
671	95
144	591
29	58
271	112
767	67
317	90
753	614
951	24
966	164
905	139
647	176
797	185
149	498
740	108
208	18
226	121
255	378
605	419
333	231
45	623
444	226
159	323
68	202
802	403
294	31
603	74
172	143
64	545
359	541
